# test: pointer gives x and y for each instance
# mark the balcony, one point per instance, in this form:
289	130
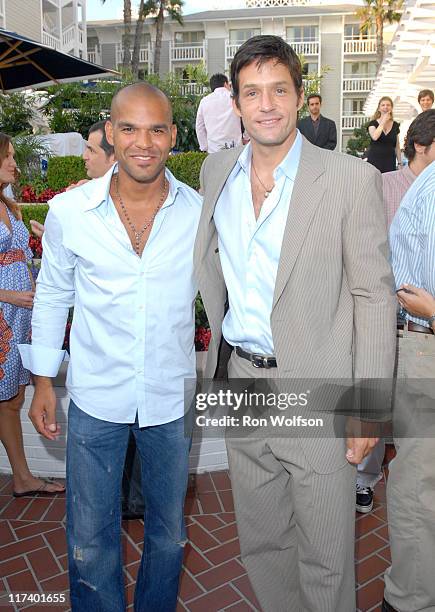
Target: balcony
358	84
144	54
305	47
180	52
94	56
231	49
350	122
358	46
51	41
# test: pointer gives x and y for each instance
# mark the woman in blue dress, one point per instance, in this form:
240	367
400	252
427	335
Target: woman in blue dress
16	301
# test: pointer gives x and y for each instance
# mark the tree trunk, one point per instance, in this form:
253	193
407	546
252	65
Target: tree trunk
127	35
137	40
379	41
159	33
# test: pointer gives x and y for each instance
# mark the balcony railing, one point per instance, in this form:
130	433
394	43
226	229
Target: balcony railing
51	41
68	36
350	122
188	87
231	49
94	57
144	54
187	52
358	84
305	47
356	46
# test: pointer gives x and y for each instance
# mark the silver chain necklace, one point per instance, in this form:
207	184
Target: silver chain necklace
139	234
267	191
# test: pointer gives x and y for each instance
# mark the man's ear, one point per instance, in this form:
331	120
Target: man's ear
236	108
109	132
301	99
173	135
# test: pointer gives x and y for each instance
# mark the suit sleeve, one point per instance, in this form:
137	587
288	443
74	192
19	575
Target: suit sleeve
331	143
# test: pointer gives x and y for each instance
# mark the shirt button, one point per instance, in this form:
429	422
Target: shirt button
141	307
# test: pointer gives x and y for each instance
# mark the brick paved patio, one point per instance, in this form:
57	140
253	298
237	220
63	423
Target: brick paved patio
33	549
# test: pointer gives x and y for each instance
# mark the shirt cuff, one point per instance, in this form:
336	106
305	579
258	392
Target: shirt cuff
41	360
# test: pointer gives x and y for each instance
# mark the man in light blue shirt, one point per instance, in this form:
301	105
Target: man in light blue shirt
409	583
119	249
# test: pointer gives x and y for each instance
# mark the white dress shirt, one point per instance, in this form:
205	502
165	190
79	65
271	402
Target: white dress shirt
217	125
132	337
250	249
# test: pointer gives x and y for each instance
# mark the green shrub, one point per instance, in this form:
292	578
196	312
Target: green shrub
37	212
15	114
62	171
359	141
186	167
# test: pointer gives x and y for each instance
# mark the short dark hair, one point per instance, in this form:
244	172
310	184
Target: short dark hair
314	95
426	92
99	127
421	131
261	49
218	80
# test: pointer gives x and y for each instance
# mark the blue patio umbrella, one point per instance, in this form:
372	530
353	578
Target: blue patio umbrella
27	63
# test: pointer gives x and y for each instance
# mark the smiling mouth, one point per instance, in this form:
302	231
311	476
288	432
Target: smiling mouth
142	157
269	122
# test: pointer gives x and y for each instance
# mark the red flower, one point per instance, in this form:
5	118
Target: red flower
36	246
202	338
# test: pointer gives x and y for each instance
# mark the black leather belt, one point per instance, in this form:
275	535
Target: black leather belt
421	329
258	361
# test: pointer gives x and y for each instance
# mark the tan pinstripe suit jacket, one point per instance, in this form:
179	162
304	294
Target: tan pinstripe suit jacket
334	308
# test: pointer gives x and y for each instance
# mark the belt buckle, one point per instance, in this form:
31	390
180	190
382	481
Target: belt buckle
259	361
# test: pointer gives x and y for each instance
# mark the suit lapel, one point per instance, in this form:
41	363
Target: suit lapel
306	196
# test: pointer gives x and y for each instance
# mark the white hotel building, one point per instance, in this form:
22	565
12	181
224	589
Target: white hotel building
326	34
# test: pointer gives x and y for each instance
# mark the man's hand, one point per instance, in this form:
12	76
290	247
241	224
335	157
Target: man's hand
359	447
42	411
37	228
22	299
418	302
74	185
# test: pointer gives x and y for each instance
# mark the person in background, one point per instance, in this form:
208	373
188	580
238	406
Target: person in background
426	99
420	153
316	128
384	146
16	301
98	156
217	126
409	581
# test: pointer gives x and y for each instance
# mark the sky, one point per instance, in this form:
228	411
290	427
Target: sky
112	9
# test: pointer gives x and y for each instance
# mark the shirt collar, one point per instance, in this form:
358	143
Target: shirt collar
97	190
288	167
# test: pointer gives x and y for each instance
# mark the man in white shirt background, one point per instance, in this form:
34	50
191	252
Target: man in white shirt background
112	249
217	125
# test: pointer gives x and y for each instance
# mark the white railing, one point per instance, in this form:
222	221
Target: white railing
358	83
51	41
231	49
144	54
94	57
184	52
188	87
68	36
359	45
302	47
350	122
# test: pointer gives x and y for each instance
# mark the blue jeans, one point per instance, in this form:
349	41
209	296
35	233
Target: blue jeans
95	459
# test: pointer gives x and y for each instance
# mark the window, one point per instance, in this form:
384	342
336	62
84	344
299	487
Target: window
359	69
353	107
240	36
309	68
352	30
189	38
304	33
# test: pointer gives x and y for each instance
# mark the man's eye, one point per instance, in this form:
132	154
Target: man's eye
158	131
127	129
280	91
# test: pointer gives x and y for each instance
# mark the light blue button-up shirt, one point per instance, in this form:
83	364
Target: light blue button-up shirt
412	236
250	249
132	338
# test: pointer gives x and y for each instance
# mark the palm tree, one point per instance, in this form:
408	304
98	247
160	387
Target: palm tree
126	39
378	12
137	38
159	8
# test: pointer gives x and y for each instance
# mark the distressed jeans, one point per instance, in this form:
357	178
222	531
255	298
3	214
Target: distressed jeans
95	459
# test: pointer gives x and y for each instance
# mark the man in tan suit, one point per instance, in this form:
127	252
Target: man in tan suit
294	238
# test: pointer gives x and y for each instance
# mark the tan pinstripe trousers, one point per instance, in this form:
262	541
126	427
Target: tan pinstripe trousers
296	527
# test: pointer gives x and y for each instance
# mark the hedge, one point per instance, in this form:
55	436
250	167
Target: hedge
186	166
37	212
62	171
